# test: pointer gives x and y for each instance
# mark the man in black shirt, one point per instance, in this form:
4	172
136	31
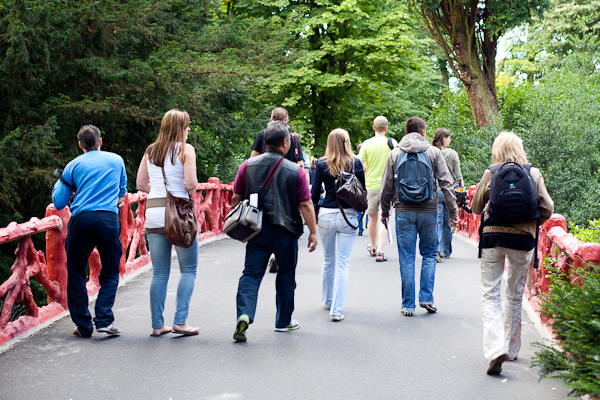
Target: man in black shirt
294	154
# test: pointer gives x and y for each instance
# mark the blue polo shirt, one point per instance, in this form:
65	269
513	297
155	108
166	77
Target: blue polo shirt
98	179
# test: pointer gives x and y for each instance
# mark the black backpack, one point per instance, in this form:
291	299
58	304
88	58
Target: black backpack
513	199
513	194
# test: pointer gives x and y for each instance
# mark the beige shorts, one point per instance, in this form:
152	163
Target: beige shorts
373	197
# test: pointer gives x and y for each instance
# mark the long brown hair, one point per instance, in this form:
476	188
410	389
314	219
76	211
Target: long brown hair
338	154
438	138
172	129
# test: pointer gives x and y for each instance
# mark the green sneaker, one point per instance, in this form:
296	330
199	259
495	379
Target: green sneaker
240	329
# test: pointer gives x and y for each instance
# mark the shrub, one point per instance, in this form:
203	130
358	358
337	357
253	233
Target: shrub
575	309
589	234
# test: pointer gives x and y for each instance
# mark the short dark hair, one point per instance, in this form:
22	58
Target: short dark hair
414	124
276	133
89	137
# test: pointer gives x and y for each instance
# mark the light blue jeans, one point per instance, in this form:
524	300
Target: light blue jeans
160	253
408	226
444	232
337	238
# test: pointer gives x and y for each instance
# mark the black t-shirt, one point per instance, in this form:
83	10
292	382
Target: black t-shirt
294	154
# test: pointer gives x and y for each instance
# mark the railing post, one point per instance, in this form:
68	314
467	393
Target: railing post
56	254
215	206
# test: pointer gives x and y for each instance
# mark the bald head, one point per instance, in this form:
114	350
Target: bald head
380	124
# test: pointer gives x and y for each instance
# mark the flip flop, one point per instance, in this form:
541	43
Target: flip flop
372	251
381	257
190	331
162	331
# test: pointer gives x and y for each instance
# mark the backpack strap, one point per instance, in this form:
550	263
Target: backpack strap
390	143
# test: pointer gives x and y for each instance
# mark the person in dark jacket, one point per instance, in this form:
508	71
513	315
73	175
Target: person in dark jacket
333	227
287	197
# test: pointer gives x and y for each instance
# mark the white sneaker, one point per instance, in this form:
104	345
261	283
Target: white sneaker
336	318
293	325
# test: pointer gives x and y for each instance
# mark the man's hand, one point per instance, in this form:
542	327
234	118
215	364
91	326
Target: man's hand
312	242
454	222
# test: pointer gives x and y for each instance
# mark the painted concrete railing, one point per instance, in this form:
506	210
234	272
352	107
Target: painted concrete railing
554	241
212	201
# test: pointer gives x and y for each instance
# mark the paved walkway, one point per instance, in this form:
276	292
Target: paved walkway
375	353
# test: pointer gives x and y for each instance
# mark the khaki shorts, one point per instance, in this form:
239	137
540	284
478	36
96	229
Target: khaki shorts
373	197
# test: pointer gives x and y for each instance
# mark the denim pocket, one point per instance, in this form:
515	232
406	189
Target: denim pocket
345	228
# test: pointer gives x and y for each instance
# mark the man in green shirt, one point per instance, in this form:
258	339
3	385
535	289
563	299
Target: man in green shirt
374	153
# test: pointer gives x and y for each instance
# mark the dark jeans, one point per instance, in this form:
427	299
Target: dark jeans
277	240
87	230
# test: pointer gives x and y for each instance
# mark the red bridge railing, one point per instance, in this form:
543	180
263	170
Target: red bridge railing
212	201
554	241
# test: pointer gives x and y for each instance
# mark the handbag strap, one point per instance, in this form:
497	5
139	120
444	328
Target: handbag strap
165	181
264	187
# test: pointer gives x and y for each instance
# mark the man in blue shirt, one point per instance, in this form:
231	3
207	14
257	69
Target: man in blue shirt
99	182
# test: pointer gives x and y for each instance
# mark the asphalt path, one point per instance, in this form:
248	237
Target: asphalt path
375	353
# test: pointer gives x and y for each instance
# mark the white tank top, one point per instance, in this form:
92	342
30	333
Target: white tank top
155	216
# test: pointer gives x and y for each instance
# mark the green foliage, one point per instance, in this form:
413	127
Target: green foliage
349	61
575	309
559	124
473	145
590	234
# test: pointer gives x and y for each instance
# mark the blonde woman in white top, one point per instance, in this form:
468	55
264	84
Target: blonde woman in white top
178	158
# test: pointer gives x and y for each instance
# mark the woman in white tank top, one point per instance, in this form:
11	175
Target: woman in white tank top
178	158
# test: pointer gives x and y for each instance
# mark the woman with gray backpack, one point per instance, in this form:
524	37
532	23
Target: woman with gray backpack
513	201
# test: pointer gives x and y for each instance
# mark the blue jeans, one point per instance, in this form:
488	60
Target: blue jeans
160	253
272	239
408	226
334	230
87	230
444	232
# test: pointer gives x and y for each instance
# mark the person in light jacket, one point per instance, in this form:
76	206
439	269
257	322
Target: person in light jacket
513	243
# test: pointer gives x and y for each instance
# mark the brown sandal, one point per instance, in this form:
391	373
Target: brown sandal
381	257
372	251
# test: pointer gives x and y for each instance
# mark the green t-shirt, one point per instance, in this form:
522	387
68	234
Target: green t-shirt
374	152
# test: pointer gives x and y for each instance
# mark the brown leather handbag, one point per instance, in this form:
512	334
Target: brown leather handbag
181	225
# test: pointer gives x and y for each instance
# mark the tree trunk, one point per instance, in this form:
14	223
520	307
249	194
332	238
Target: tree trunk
479	80
443	65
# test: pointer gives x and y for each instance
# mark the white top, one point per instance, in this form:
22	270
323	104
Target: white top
155	216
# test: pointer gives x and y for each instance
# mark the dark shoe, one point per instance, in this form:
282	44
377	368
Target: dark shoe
240	329
359	233
77	332
293	325
381	257
431	308
496	365
372	251
109	330
273	265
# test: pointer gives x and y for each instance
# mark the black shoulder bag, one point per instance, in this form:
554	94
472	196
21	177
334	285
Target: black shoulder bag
350	190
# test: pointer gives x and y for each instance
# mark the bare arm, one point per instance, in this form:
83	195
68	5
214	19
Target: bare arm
142	181
308	213
189	168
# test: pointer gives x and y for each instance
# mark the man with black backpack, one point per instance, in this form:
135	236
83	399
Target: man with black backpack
513	201
409	174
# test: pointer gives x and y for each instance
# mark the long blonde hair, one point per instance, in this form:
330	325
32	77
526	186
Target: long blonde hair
172	131
338	154
508	147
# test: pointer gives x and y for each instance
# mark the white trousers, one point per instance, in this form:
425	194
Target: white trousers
502	330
